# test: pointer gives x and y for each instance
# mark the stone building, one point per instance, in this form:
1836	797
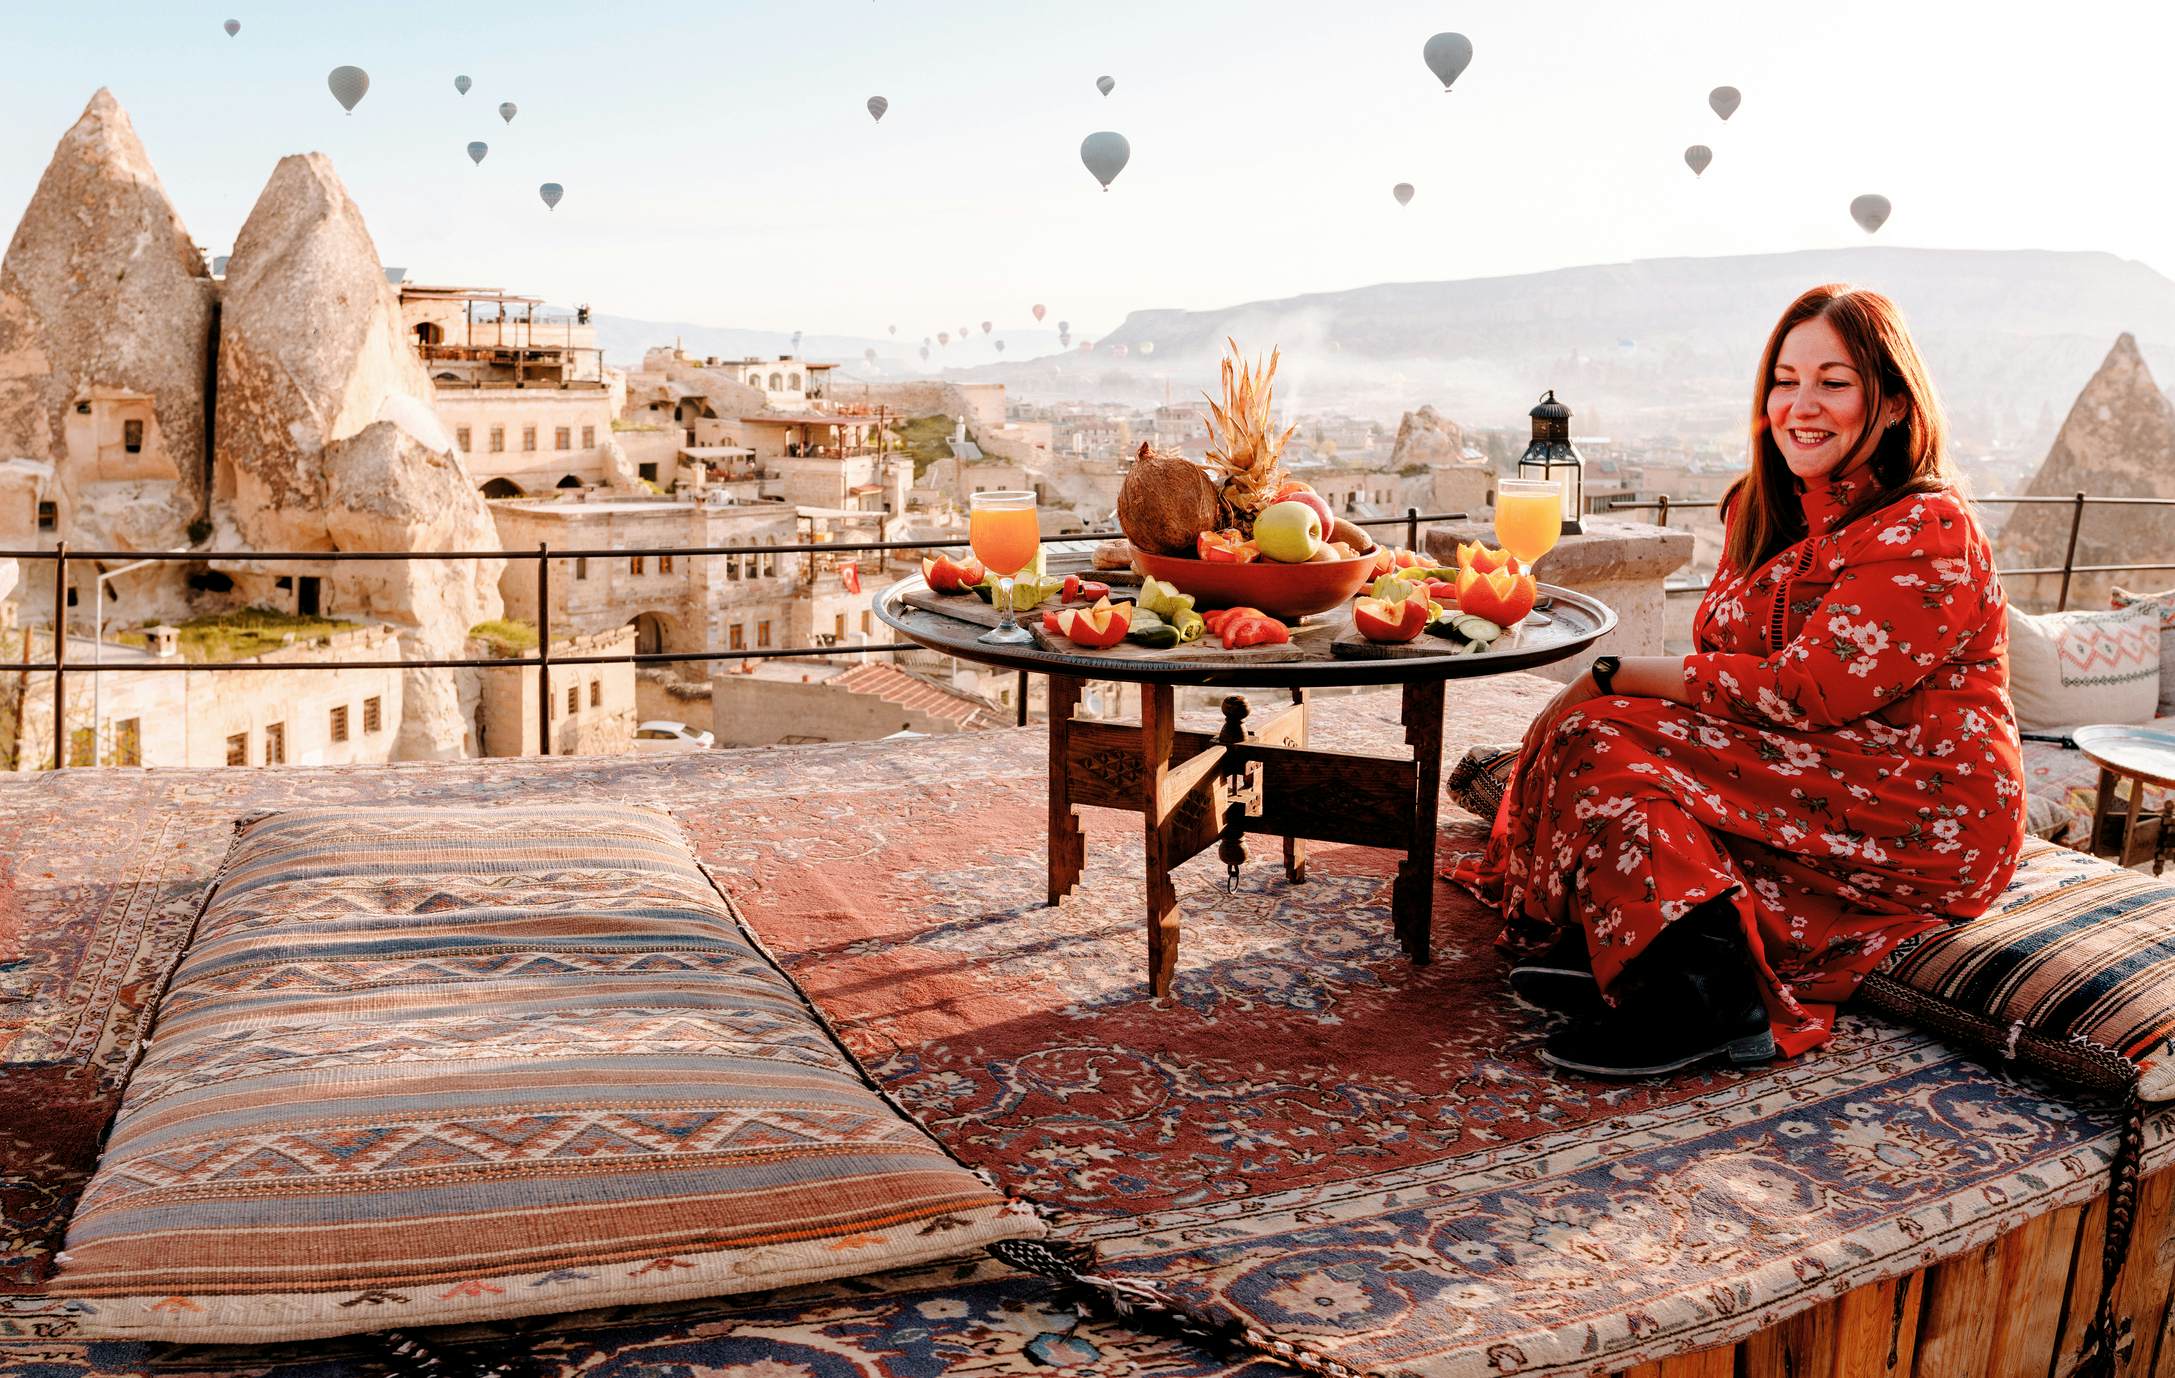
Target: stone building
758	601
592	706
528	399
293	711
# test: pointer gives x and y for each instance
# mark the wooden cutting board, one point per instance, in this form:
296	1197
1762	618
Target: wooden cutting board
1308	638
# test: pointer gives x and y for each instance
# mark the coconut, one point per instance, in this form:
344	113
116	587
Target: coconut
1165	503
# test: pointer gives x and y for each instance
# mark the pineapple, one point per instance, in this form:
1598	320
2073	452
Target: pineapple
1243	445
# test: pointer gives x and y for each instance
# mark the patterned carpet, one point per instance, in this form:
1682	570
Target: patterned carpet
1309	1131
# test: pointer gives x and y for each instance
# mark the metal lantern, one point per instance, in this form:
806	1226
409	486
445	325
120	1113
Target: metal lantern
1551	456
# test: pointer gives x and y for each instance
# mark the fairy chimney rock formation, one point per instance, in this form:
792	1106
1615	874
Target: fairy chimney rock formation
1427	437
105	317
328	438
2118	441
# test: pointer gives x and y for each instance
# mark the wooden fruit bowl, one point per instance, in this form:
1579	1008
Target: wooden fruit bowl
1280	590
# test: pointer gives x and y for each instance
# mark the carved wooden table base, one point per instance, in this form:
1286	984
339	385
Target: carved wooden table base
1196	790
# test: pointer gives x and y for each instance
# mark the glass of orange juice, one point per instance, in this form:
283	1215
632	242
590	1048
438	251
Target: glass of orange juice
1005	533
1528	517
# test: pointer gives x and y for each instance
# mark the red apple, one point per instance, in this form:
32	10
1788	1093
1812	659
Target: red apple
1400	621
1300	492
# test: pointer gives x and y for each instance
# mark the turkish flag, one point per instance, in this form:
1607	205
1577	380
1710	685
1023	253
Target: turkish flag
850	572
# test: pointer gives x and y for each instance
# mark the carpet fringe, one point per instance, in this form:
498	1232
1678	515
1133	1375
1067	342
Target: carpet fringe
1147	1307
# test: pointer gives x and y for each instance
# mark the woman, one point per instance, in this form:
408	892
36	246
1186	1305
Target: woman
1701	855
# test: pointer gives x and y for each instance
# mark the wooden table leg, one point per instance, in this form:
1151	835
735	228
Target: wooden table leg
2101	807
1412	903
1295	848
2129	821
1158	717
1068	844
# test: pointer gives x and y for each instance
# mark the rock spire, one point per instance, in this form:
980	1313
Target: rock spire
2118	441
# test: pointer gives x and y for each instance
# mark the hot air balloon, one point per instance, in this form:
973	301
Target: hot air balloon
1147	346
1064	339
1086	345
507	110
964	333
1105	84
349	85
985	327
925	354
796	342
943	337
870	355
476	151
1724	100
1403	192
1106	155
1447	55
1870	211
1000	346
1065	327
892	328
551	192
232	26
461	84
1119	351
1697	157
877	105
1039	309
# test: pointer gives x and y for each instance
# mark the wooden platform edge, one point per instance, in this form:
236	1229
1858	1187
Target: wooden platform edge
2014	1307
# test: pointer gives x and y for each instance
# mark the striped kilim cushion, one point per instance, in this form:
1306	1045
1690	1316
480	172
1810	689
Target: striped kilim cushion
424	1066
2072	970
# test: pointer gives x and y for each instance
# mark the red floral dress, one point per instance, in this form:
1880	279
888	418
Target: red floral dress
1850	769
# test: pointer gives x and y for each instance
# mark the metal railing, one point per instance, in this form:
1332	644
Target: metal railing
1664	505
61	557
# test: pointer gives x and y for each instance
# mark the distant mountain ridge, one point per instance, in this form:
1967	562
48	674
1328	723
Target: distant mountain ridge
1660	341
1645	348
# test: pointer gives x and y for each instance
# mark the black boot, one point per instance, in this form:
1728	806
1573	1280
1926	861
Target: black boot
1559	979
1691	997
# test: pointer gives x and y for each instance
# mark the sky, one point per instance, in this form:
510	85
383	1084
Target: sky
720	166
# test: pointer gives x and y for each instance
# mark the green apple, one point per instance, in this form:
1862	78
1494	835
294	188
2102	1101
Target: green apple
1288	531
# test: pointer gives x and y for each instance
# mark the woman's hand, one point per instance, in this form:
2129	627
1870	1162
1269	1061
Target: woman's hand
1567	698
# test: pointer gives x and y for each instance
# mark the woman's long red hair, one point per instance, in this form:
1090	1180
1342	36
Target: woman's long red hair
1910	457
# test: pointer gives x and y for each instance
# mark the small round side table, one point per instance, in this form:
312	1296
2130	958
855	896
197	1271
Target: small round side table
2144	755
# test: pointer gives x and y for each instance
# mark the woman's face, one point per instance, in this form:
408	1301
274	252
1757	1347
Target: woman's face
1816	402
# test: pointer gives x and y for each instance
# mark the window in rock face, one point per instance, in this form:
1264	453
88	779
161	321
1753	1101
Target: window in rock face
339	723
48	516
498	440
238	749
664	564
562	438
581	566
528	437
373	714
738	639
573	699
589	437
460	436
634	564
132	437
596	693
762	636
275	744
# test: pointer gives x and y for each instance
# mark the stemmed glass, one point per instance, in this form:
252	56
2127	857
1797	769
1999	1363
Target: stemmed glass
1006	532
1528	522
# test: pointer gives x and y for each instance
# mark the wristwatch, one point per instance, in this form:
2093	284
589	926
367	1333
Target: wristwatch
1604	670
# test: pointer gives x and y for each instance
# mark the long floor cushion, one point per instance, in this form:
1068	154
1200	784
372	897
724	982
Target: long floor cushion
432	1065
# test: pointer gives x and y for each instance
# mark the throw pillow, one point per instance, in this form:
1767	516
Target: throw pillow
2164	604
427	1066
2071	668
2071	973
